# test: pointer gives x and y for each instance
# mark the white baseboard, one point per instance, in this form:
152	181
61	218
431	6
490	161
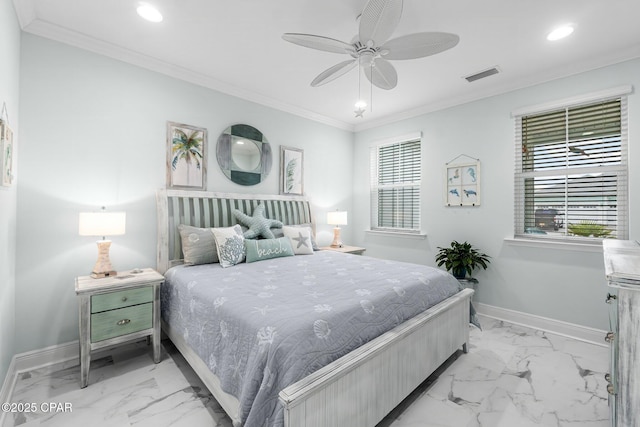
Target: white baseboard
557	327
35	359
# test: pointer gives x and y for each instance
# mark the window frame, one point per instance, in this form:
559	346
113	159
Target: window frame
375	186
620	171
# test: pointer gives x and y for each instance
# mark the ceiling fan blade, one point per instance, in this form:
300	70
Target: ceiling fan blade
419	45
382	74
334	72
379	20
318	42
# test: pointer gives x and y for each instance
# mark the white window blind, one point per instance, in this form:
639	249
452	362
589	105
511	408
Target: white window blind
571	172
395	186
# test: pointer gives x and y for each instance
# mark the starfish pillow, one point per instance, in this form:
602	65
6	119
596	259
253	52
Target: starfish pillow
257	223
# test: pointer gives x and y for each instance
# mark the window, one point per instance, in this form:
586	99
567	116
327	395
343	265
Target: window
571	172
395	185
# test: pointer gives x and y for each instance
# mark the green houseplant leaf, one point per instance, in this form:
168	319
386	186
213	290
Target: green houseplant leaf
461	259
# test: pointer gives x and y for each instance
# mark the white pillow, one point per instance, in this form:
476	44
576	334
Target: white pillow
300	239
230	245
279	233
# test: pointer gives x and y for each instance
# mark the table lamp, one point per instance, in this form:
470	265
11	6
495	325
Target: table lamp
102	224
337	218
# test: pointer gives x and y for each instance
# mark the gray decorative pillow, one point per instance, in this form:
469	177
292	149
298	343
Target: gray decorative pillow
198	245
230	245
258	224
300	239
258	250
314	245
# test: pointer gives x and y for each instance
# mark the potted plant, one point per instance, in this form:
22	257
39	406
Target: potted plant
461	259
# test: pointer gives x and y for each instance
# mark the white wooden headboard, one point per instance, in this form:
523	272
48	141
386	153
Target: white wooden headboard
206	209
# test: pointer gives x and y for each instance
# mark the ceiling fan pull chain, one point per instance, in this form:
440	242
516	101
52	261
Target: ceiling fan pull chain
371	90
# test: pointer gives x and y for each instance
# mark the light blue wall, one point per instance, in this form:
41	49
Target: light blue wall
565	285
9	92
94	133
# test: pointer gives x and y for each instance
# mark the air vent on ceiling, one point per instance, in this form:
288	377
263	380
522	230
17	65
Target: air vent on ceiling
482	74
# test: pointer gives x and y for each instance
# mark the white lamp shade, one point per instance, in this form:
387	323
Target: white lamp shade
337	218
102	223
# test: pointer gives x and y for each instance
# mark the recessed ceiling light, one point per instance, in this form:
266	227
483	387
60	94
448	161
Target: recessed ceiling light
560	33
149	12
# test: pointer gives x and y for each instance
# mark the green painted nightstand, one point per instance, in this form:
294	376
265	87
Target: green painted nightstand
117	309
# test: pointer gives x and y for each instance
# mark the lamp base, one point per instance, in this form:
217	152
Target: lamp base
103	266
337	241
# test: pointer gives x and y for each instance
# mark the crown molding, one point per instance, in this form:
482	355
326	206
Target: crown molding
82	41
26	12
613	58
30	23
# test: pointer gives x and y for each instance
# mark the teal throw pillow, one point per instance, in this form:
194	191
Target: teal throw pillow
258	250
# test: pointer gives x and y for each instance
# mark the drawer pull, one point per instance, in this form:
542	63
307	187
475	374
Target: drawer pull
607	377
124	322
610	297
124	299
609	337
610	389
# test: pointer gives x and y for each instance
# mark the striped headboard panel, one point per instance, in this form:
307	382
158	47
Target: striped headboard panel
204	209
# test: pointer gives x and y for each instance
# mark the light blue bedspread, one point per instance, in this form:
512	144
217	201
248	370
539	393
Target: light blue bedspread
265	325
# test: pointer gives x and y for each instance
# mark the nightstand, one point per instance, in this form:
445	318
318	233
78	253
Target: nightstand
345	249
117	309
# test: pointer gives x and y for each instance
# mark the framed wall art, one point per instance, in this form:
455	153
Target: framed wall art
291	171
6	154
186	157
462	184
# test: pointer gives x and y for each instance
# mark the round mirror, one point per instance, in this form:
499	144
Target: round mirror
244	154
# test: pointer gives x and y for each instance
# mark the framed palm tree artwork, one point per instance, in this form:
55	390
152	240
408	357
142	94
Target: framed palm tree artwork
186	157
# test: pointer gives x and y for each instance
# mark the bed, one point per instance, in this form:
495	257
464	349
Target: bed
280	378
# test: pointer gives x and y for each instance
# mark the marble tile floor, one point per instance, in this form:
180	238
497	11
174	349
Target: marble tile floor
511	377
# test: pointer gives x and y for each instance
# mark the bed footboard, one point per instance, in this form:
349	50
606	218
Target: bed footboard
361	388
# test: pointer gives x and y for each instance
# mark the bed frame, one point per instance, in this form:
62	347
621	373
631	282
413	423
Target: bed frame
360	388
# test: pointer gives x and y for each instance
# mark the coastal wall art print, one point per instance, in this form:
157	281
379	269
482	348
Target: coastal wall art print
186	157
291	171
6	154
462	184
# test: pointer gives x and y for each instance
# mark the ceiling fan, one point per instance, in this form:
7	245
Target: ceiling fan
371	48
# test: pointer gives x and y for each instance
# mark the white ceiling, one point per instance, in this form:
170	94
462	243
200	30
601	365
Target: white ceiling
235	46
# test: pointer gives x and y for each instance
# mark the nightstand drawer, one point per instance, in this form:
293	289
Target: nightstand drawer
123	321
121	299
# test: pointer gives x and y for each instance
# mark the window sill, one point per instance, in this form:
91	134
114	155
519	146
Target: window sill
549	244
421	236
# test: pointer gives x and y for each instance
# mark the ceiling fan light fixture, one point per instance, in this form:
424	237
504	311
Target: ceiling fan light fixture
149	12
361	104
560	32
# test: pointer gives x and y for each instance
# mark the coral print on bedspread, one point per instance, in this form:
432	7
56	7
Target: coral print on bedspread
262	326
